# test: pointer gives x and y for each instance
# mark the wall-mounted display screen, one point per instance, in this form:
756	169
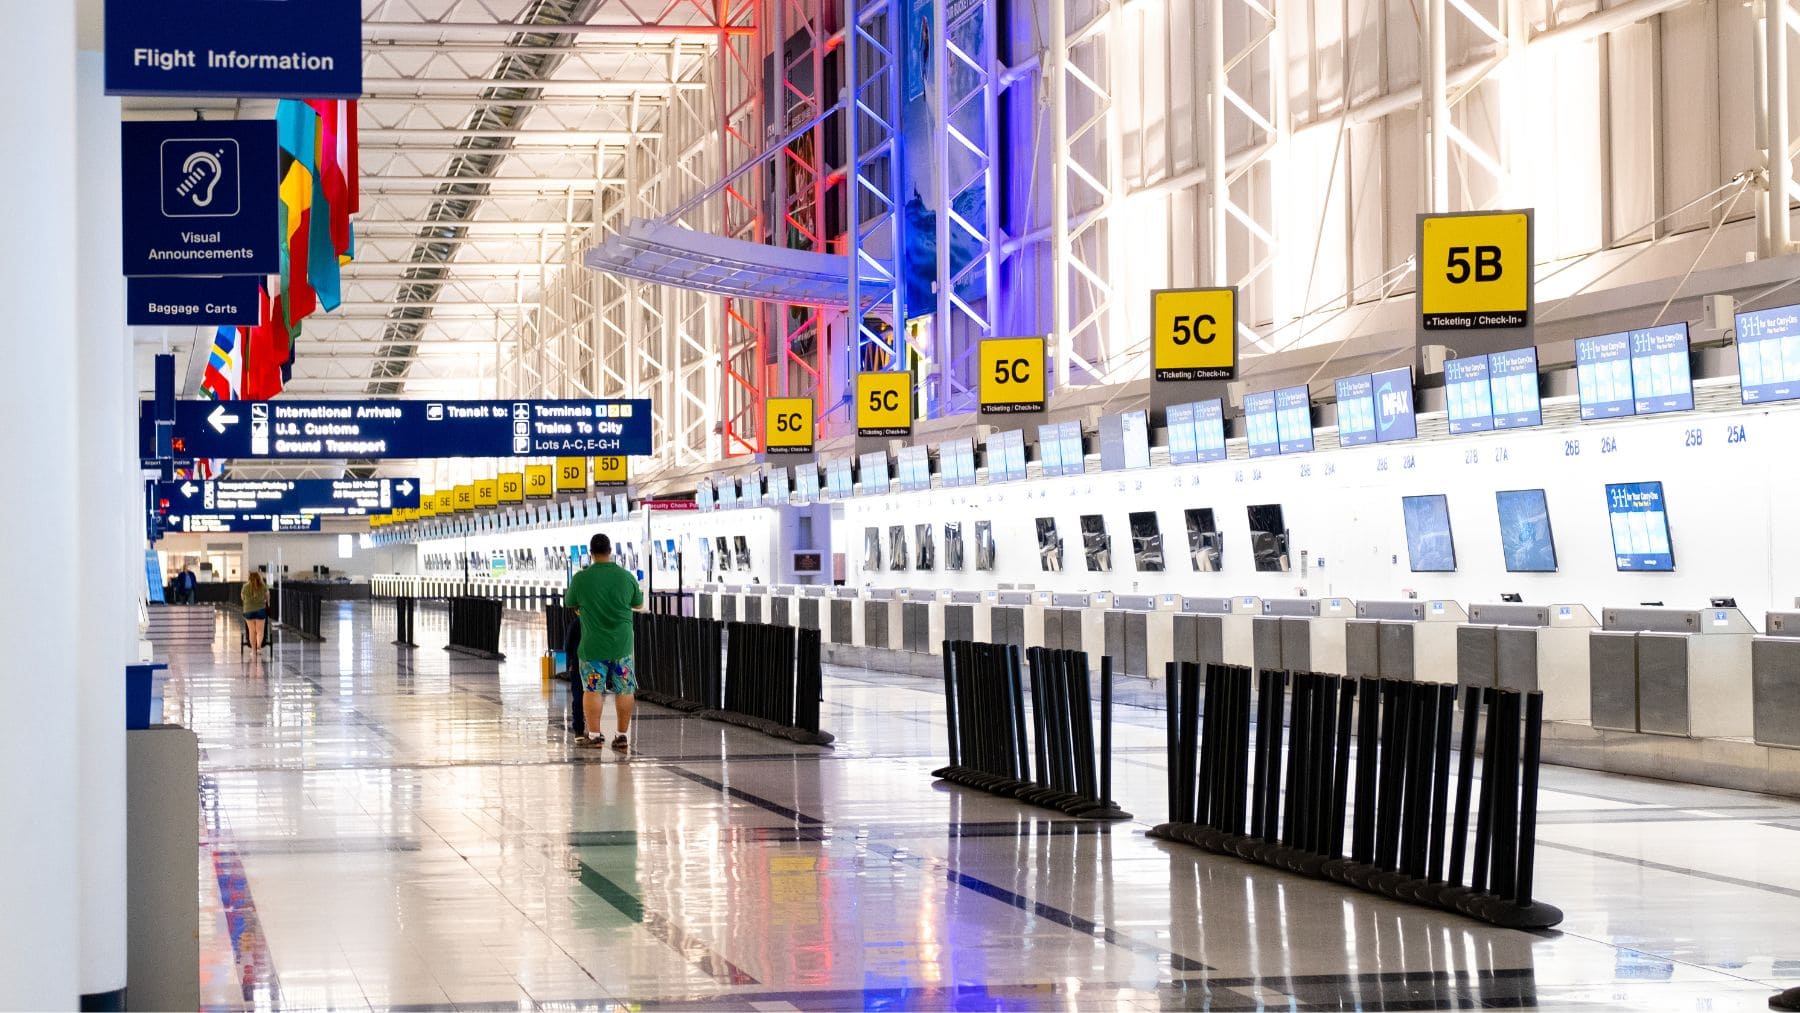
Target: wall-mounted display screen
778	487
1268	538
956	462
874	473
838	477
1006	456
1050	548
1196	432
1430	548
1096	544
953	545
1050	449
743	551
1125	441
1768	348
1640	526
1206	550
724	553
1146	542
871	549
728	492
806	482
1260	429
898	557
1639	372
914	468
703	494
984	545
1526	542
924	541
1293	419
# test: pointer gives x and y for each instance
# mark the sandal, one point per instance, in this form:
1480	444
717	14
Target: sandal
621	743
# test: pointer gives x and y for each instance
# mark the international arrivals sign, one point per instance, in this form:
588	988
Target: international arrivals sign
234	48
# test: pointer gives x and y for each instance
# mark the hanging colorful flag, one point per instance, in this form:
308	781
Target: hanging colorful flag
268	351
224	367
296	131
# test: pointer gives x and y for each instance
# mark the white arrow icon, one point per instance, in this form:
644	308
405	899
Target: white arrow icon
188	489
405	488
219	420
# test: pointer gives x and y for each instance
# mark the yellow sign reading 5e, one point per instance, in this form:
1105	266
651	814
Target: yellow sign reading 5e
788	425
1475	270
1012	376
487	492
1194	334
884	404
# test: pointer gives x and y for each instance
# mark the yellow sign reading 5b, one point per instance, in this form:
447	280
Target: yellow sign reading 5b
884	403
788	425
1012	375
1195	334
1475	270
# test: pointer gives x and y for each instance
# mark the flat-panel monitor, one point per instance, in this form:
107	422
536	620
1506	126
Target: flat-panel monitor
1006	455
1209	429
915	468
957	460
1184	440
1074	449
1768	347
926	544
1146	542
1125	441
1394	416
838	477
1468	396
743	552
728	492
953	545
1603	376
1513	381
1430	548
703	494
778	486
1260	429
1660	376
1293	419
1050	449
871	549
1526	541
1096	544
750	489
621	504
898	557
984	545
1050	548
806	482
1206	550
1356	410
1639	518
1268	538
724	553
874	473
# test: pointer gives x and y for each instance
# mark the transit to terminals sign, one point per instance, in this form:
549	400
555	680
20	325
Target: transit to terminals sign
303	430
348	497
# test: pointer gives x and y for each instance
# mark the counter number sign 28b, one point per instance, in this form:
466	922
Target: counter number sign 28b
1194	334
1475	270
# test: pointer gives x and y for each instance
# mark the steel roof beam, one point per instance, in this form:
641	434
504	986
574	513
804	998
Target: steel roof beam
373	31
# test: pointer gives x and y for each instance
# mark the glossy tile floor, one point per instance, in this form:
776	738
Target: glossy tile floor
385	829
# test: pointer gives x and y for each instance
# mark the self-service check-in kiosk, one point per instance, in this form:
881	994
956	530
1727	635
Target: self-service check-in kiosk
1775	680
1302	634
1414	641
1530	647
1671	671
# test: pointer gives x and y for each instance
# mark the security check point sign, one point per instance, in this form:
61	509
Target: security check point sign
1194	334
200	198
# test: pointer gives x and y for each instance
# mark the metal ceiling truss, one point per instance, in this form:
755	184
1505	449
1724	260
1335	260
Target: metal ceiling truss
1085	145
798	38
1246	99
1777	22
1441	134
875	203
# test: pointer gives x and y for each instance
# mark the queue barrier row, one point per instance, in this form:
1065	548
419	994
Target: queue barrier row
1234	790
768	678
985	692
475	626
298	612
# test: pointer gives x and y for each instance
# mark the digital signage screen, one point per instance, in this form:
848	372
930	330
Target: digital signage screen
778	487
1184	442
874	473
1526	541
806	482
1356	410
838	477
1429	545
1006	456
1768	347
1468	396
1209	429
728	492
1050	449
1394	417
703	495
958	462
1603	376
1293	419
1260	429
1513	379
1125	441
915	468
1074	451
1660	378
1640	526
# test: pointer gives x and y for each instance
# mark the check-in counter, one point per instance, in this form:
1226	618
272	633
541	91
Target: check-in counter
1302	634
779	610
753	604
1216	629
811	611
921	620
1414	641
1064	615
1529	647
1126	634
1671	671
879	617
1775	680
966	612
706	601
1008	613
843	618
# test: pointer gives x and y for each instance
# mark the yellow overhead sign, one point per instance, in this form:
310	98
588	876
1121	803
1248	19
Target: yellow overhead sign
1013	377
571	474
611	470
487	492
540	481
1193	334
884	403
510	487
788	425
446	501
1475	270
465	497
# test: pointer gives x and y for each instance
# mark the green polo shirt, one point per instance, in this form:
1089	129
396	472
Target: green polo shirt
605	594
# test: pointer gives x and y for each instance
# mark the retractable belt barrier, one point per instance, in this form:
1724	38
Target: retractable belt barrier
768	678
558	618
984	696
671	603
298	612
1408	838
475	626
405	607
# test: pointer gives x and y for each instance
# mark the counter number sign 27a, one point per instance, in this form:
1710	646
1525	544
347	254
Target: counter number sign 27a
1194	334
788	425
1475	270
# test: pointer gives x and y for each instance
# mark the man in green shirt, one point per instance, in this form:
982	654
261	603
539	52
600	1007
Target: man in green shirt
603	595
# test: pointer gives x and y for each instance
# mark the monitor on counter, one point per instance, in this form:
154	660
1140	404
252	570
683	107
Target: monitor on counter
1125	441
1356	410
806	482
1526	541
1768	349
1637	372
1260	429
1293	419
874	473
1468	396
1430	547
1603	376
1639	518
1050	449
1513	383
1184	439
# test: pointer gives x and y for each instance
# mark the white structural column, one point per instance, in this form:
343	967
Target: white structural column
1775	20
40	396
111	565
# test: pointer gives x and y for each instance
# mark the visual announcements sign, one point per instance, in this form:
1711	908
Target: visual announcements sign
351	497
200	197
288	430
1013	377
234	48
788	425
1194	334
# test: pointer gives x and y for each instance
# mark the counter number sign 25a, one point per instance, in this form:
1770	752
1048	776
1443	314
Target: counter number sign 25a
884	403
1475	270
1195	334
788	425
1013	378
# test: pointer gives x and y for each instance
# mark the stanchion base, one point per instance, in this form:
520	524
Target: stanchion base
1789	1000
474	652
403	643
1513	915
1077	806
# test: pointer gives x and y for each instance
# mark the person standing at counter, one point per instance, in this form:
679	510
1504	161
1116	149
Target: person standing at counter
604	595
255	599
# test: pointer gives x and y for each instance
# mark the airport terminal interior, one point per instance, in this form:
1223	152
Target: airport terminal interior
1132	505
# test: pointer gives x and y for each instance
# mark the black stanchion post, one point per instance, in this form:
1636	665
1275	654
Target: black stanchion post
1260	786
1172	739
1484	819
1106	689
1015	693
1440	788
1271	828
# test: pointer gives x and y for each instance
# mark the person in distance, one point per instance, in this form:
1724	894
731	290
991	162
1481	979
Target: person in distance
604	595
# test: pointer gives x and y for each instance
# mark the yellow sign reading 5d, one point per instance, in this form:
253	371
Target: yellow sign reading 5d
1475	270
884	404
1012	376
788	425
539	479
1194	334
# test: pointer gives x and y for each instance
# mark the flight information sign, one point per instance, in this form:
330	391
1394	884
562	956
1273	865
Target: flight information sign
228	523
348	497
288	430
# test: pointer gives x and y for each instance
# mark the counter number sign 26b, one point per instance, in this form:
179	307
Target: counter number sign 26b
1194	334
1475	270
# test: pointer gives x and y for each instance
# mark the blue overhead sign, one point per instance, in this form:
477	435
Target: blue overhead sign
200	197
224	523
344	497
304	430
234	48
193	302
